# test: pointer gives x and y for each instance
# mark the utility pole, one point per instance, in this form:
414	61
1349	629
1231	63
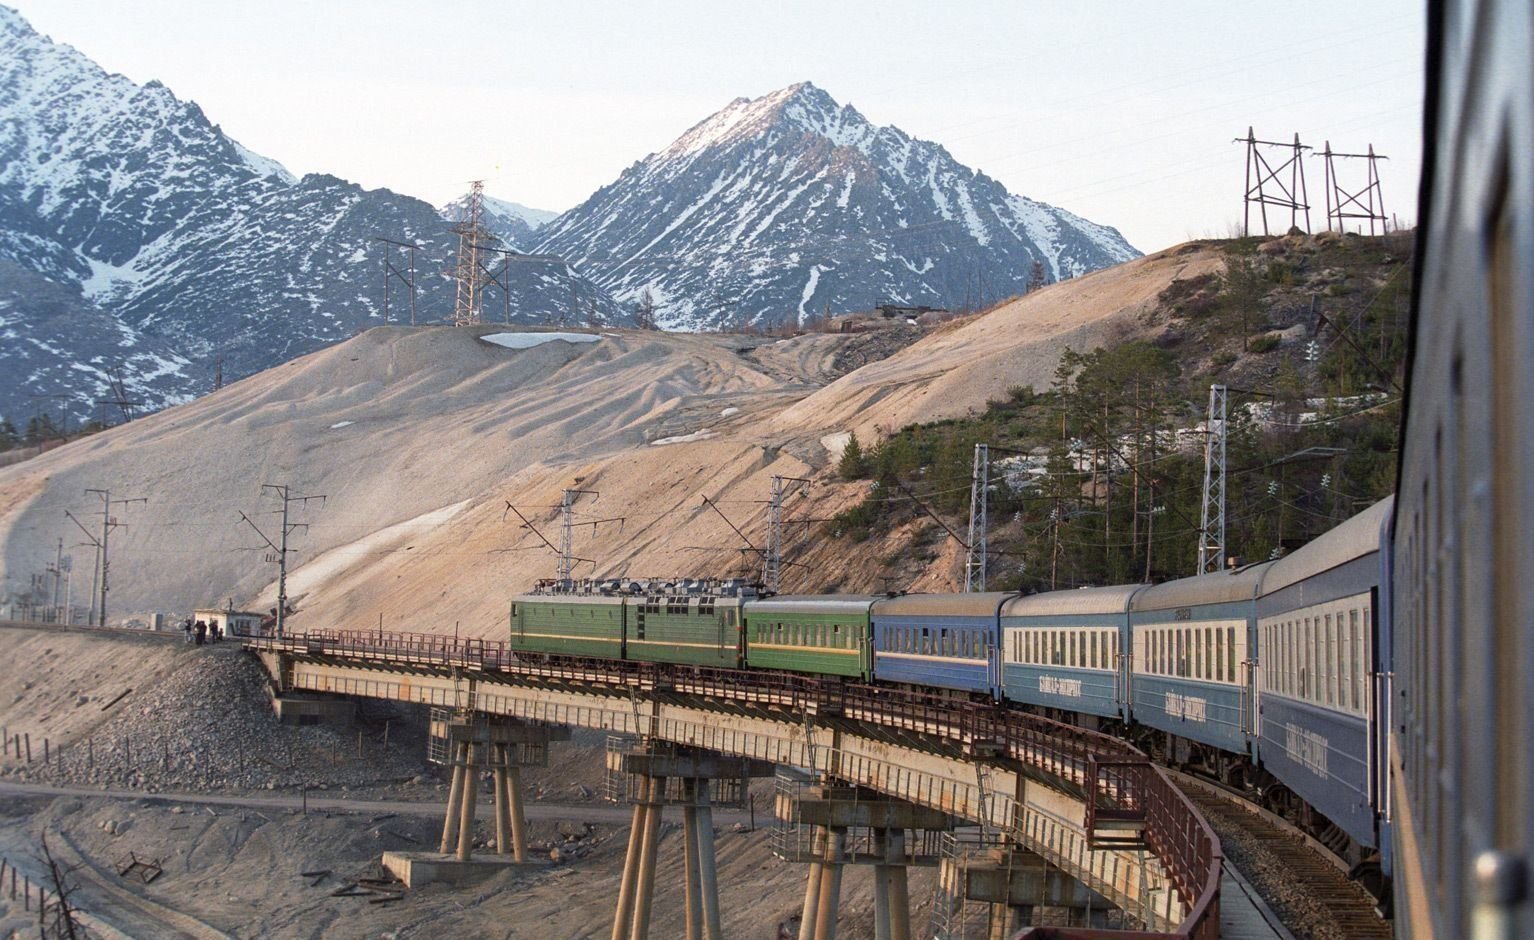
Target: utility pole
468	271
975	562
1211	536
102	543
567	531
772	560
218	372
285	493
57	570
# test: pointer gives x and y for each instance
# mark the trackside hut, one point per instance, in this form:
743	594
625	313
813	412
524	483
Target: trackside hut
230	622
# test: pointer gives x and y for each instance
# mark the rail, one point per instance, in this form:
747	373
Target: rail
1174	830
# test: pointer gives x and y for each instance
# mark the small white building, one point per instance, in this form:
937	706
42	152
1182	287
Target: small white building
230	621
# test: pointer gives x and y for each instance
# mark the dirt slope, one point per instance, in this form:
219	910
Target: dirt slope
419	438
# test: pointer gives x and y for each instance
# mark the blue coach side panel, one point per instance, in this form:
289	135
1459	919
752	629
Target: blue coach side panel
1193	641
1318	628
944	640
1066	650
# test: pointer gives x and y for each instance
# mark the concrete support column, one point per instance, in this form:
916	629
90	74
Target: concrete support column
900	897
514	809
831	884
454	798
470	794
881	886
708	874
807	917
690	838
644	893
630	878
502	814
1000	922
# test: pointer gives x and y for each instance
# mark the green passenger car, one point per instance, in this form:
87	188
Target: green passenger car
568	624
805	633
701	630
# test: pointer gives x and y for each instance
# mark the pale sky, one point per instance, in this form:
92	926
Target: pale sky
1122	112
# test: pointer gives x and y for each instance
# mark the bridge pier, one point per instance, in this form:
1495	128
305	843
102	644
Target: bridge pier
505	746
832	826
656	776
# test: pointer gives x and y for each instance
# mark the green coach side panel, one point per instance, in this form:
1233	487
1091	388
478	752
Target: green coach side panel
693	629
572	625
828	635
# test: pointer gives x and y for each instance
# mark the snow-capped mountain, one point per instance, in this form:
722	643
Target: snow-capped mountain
779	207
135	198
511	222
57	350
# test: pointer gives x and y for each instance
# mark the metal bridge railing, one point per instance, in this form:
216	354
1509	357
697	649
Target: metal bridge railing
1174	830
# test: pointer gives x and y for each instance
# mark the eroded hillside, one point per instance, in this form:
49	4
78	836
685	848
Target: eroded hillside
420	438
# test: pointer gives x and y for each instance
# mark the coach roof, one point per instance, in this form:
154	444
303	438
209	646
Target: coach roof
1222	588
811	604
1092	600
1355	538
941	605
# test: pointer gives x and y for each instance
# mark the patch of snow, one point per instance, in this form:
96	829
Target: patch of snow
836	443
809	290
342	424
529	340
326	566
702	435
729	412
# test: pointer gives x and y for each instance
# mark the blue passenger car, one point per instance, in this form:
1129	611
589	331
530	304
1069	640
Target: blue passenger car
1318	635
1193	641
1068	650
944	640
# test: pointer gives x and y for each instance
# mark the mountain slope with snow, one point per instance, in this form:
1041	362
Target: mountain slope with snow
784	206
136	199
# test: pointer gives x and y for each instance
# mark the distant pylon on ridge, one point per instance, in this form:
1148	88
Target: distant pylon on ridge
1266	188
468	273
1366	203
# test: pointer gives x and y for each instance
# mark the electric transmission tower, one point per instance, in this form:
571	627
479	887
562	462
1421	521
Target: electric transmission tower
1269	187
1211	536
1341	204
280	548
772	559
974	563
103	547
567	531
468	272
393	271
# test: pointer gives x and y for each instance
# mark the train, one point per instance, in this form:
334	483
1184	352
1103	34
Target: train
1264	677
1461	801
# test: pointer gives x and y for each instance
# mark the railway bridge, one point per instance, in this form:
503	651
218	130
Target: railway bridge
1029	811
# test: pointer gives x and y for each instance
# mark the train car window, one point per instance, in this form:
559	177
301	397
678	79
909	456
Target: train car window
1219	656
1360	669
1329	650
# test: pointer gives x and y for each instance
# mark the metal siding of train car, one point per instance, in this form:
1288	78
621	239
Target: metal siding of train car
1218	713
659	632
1325	752
967	660
1094	690
802	633
573	625
1320	754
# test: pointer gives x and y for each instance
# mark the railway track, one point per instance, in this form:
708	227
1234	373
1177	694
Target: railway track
1308	891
